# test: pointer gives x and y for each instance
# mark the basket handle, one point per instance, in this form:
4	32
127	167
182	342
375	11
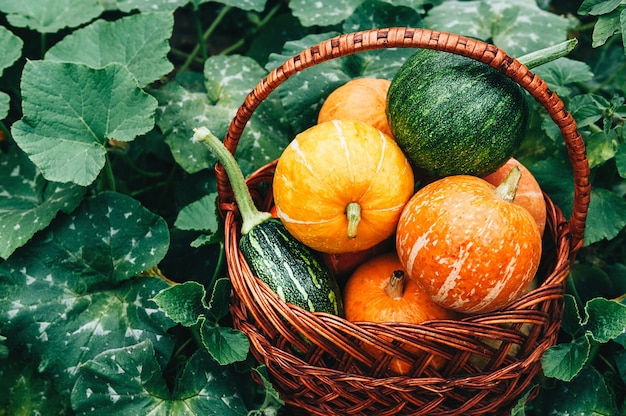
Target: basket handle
401	37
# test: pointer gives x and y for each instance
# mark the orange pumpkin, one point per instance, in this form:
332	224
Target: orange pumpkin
467	244
378	291
528	194
340	186
362	99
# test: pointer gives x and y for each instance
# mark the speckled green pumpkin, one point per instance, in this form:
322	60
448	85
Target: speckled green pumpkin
453	115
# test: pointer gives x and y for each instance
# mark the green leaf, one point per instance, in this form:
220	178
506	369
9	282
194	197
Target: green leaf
26	391
207	389
4	350
601	147
516	26
598	7
71	110
311	13
50	16
200	215
183	303
220	299
586	394
606	26
61	325
129	381
226	345
256	5
149	5
270	391
4	105
606	217
228	80
564	361
376	14
606	319
138	42
28	202
11	47
562	72
620	159
572	322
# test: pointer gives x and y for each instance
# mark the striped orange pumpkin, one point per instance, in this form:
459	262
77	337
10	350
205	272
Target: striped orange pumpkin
472	250
340	186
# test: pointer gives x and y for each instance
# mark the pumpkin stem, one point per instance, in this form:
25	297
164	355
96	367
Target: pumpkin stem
353	212
250	215
395	286
508	188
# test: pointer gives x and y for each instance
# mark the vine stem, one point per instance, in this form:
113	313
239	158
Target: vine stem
250	215
202	38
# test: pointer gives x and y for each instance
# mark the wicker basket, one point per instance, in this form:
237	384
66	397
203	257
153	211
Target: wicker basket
491	359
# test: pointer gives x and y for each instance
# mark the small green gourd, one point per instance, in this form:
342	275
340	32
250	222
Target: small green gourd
291	269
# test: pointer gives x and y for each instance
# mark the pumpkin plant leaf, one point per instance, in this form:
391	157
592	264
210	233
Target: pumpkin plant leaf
620	159
226	345
228	79
220	299
5	101
27	391
184	303
606	217
563	72
72	289
28	202
148	5
564	361
200	215
129	380
71	110
585	394
516	26
50	16
11	47
606	319
139	42
255	5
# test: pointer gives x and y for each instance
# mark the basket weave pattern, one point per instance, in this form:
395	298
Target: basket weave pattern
319	362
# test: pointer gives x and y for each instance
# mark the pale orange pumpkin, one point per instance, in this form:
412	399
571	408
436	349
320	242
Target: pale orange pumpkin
528	194
379	291
470	248
340	186
361	99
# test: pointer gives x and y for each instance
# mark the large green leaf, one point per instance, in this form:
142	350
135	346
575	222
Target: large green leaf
139	42
606	217
70	293
27	201
517	26
200	215
256	5
147	5
606	319
11	46
587	394
564	361
49	16
228	80
71	110
129	381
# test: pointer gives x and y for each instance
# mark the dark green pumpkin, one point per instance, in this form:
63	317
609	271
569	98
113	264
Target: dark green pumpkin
453	115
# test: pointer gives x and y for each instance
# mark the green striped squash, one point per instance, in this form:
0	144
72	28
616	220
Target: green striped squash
453	115
290	268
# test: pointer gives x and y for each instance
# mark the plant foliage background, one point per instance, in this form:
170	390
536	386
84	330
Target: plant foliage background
113	291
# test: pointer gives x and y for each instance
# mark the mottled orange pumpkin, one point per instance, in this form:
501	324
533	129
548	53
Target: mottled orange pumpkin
528	194
340	186
361	99
378	291
470	248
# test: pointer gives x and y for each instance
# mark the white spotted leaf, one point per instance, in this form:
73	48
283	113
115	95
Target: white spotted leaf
28	202
130	380
50	16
